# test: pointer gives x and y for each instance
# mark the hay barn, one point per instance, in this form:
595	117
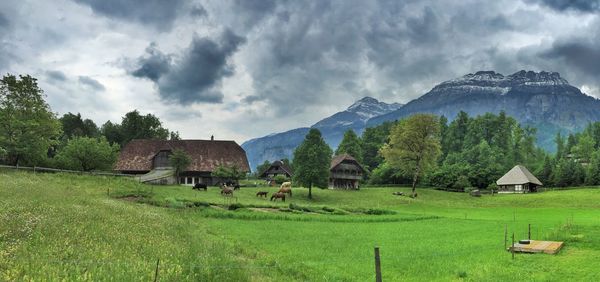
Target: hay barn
345	172
518	180
150	159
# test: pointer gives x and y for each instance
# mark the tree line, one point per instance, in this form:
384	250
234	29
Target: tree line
32	135
468	152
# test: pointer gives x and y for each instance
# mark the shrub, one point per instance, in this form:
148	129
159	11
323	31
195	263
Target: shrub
280	179
462	183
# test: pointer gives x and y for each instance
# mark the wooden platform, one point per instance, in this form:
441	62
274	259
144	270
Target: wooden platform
534	246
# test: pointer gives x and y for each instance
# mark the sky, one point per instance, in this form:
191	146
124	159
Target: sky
239	69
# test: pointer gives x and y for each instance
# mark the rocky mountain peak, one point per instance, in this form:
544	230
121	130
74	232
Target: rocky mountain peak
369	107
538	78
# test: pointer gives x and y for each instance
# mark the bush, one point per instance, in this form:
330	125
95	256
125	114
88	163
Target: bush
470	189
462	183
492	187
279	179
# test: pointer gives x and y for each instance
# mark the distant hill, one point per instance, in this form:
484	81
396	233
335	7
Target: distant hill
281	145
542	99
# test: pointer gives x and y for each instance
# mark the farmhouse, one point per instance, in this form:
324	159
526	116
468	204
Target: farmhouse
345	172
277	168
151	158
518	180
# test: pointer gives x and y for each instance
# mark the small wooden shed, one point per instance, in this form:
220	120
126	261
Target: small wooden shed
518	180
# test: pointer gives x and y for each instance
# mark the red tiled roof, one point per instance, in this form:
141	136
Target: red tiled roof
206	155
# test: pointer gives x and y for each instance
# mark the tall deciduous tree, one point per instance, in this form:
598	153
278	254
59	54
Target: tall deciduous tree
372	140
73	125
27	126
87	154
350	145
414	146
180	161
311	161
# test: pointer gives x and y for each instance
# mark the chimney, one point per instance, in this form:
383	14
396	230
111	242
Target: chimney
212	138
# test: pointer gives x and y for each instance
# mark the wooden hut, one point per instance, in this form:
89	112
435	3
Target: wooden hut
345	172
150	159
518	180
277	168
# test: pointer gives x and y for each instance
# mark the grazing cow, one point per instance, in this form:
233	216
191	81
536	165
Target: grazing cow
278	195
200	186
226	191
286	185
262	194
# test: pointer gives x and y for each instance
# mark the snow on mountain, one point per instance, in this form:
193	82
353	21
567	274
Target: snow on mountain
281	145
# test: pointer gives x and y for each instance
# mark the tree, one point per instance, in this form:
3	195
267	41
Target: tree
350	145
27	126
261	168
87	154
592	176
180	161
112	132
311	161
174	135
584	148
232	173
136	126
373	139
457	131
73	125
414	146
560	146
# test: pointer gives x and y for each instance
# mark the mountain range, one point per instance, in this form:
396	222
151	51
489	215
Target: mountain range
281	145
543	100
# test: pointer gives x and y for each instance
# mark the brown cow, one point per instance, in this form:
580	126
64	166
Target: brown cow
226	191
262	194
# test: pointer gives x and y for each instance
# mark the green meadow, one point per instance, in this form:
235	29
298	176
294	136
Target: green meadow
90	228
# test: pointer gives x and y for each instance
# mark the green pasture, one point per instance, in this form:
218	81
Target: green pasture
70	227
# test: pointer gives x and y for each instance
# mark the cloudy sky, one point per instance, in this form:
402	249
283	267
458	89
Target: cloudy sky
245	68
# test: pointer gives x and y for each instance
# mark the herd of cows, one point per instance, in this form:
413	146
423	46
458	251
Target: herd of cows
227	189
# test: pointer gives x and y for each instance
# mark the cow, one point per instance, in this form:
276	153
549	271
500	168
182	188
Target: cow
200	186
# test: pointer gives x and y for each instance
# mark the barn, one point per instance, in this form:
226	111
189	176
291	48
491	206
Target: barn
518	180
277	168
150	159
345	172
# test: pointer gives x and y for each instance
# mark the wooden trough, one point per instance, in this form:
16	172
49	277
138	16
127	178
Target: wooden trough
535	246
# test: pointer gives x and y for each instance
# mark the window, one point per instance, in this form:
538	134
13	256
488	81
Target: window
519	187
189	180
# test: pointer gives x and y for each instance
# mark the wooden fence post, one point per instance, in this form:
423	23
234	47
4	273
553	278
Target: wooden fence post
377	265
505	235
512	248
156	271
529	232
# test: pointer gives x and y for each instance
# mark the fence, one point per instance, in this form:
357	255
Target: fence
55	170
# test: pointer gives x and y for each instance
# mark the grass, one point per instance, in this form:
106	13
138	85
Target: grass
56	227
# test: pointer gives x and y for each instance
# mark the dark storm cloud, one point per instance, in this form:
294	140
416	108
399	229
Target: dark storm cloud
583	55
198	11
153	65
253	11
159	13
91	83
3	20
197	75
56	76
589	6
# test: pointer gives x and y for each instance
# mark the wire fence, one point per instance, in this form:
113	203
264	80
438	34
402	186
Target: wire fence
56	170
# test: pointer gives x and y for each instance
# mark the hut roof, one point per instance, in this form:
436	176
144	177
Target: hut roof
278	164
341	158
518	175
206	155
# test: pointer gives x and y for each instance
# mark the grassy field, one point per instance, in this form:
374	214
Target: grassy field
71	227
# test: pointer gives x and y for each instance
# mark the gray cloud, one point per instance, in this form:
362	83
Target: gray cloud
157	13
197	75
198	11
154	65
589	6
56	76
91	83
3	20
583	55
